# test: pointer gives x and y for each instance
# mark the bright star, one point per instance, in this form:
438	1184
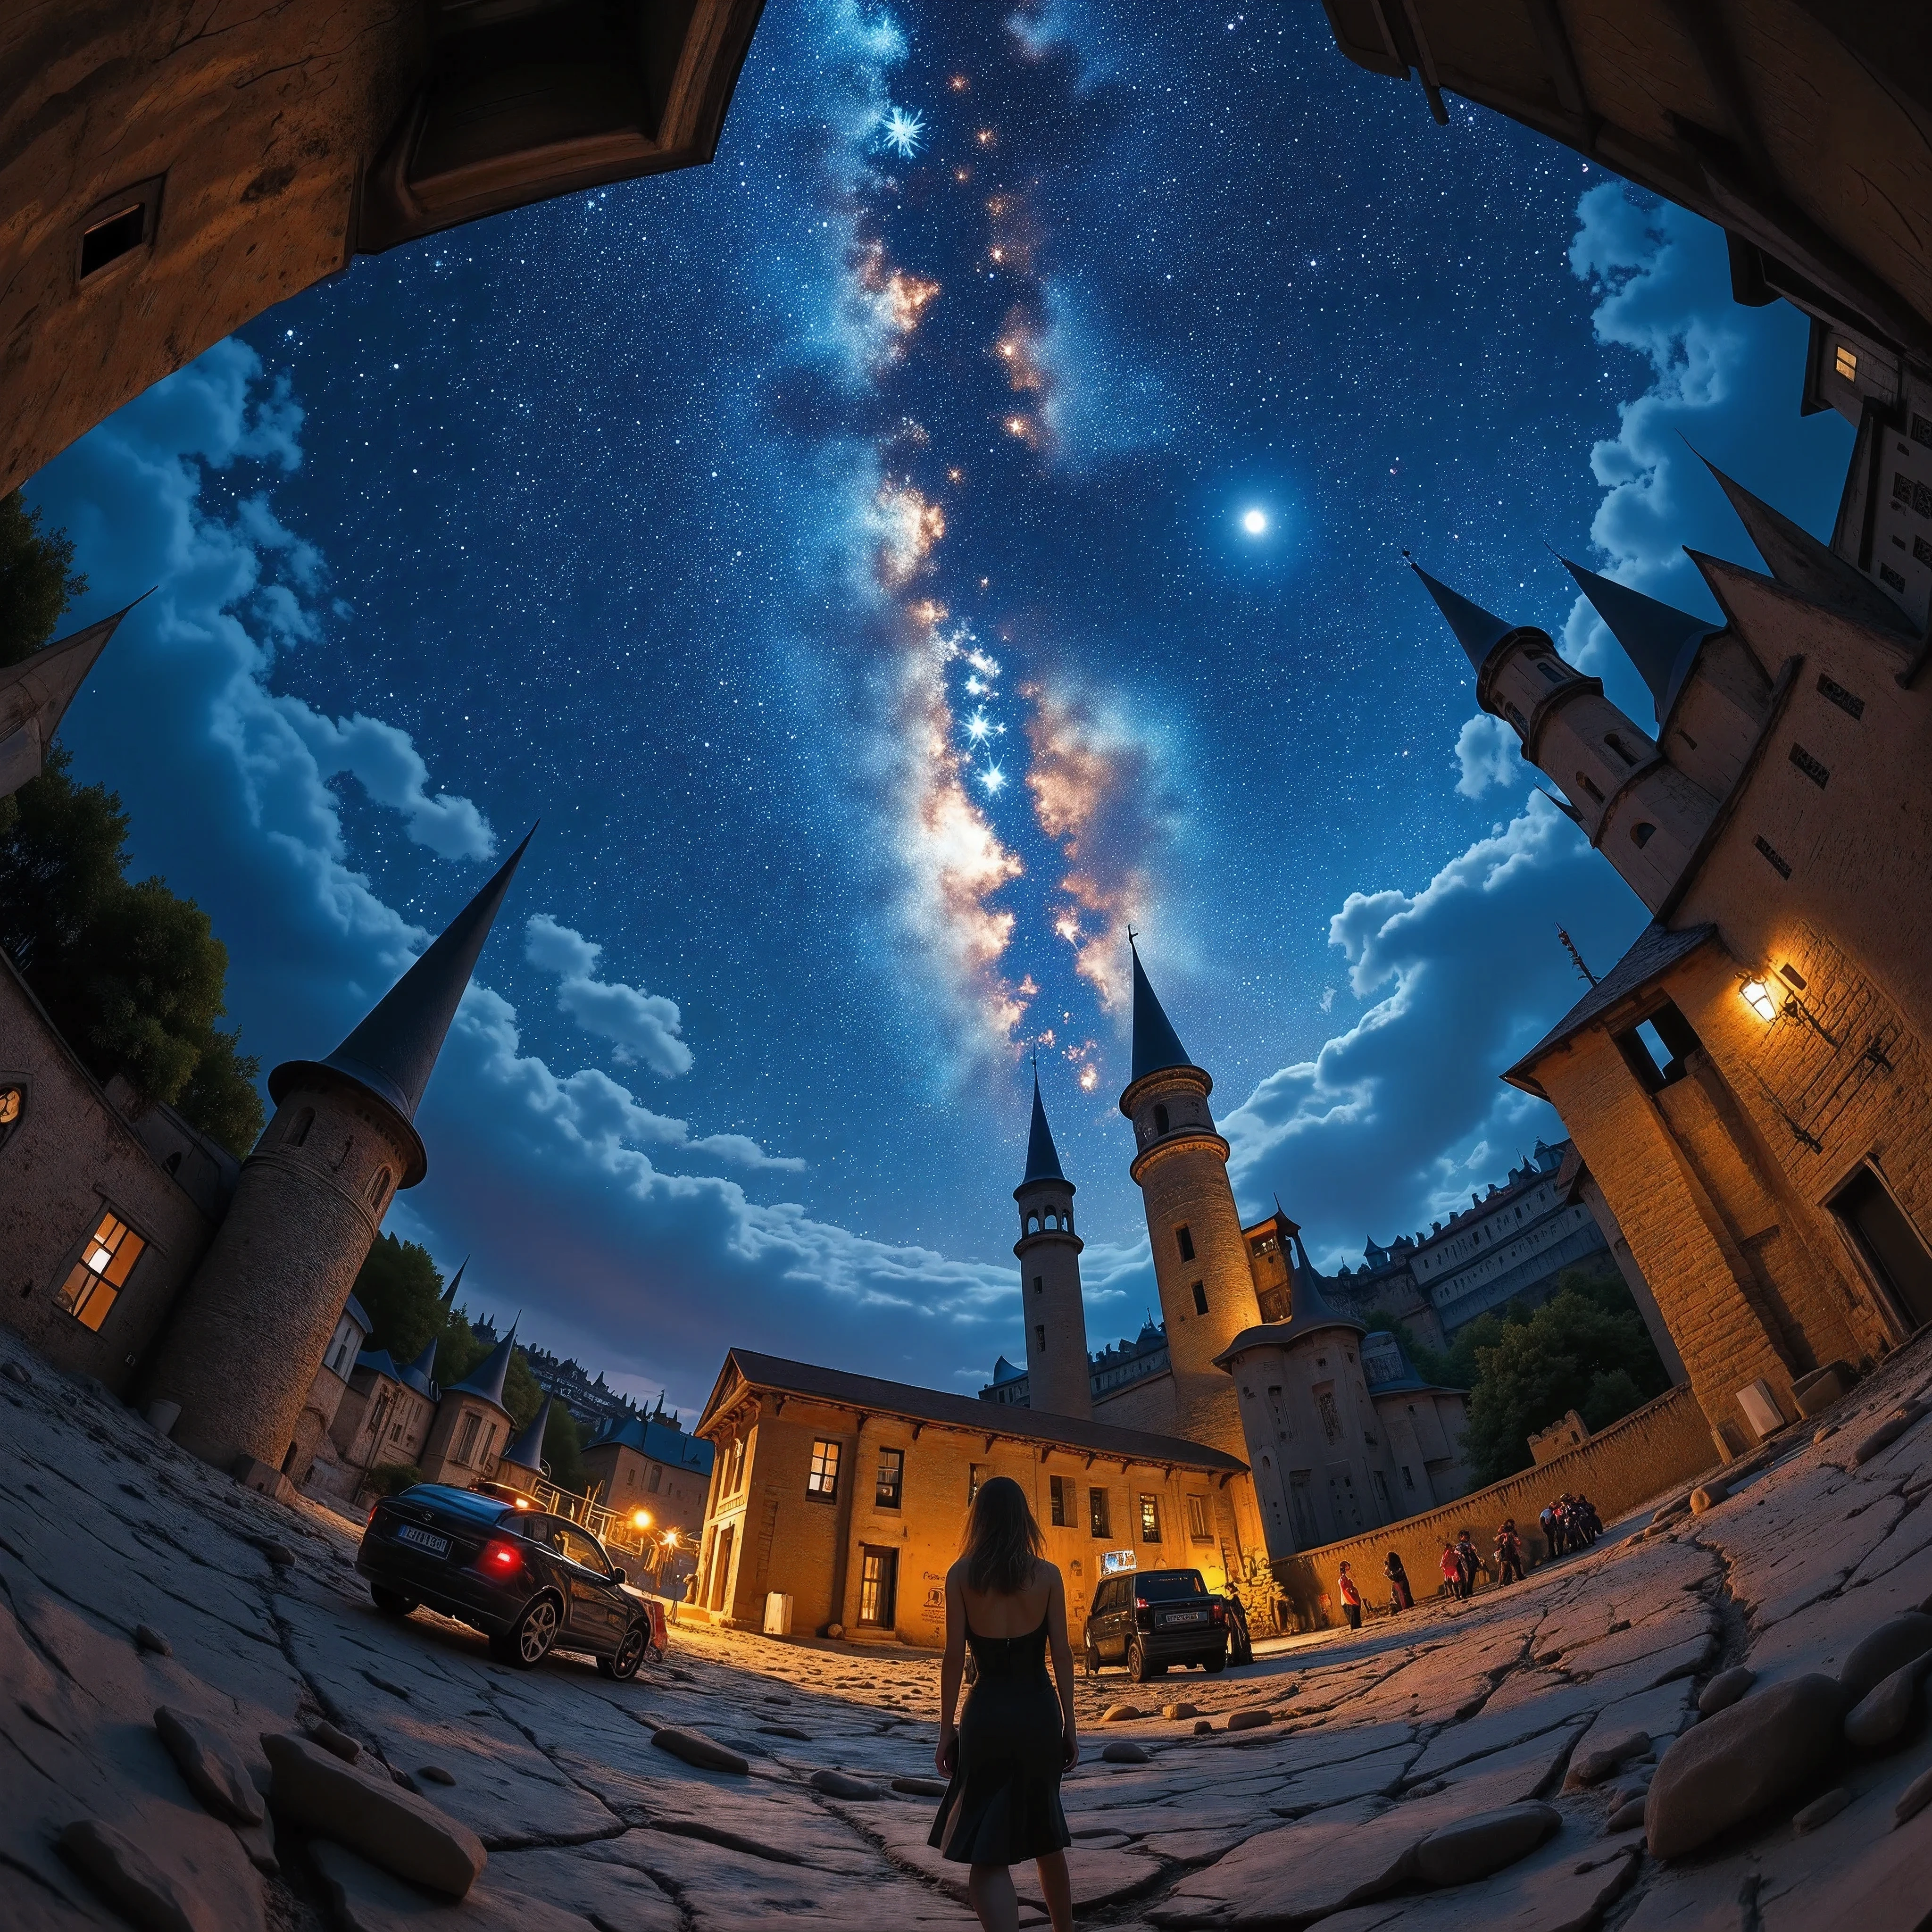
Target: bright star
904	130
994	779
978	727
1254	521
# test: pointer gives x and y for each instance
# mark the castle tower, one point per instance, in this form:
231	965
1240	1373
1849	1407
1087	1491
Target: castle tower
472	1423
241	1349
1644	814
1200	1257
1049	1258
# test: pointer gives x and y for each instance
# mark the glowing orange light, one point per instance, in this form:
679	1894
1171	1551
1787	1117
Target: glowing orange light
642	1520
1016	425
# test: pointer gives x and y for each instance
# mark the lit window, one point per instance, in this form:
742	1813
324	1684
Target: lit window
892	1479
1098	1519
1846	362
1197	1519
1150	1519
976	1473
101	1272
823	1480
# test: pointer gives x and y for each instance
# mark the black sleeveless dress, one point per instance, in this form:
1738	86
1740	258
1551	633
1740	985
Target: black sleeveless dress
1002	1805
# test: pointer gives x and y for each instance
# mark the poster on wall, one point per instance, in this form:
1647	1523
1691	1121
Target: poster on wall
1114	1562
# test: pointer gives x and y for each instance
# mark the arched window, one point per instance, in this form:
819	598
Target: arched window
1033	1224
1617	745
1584	780
1642	834
379	1187
1549	670
299	1127
1160	1120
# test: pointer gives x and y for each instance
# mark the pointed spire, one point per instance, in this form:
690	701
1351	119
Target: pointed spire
34	695
393	1052
1156	1046
1477	630
526	1452
1043	1157
1799	561
487	1379
420	1374
455	1282
1659	639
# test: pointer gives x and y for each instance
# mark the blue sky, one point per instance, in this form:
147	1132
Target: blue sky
843	554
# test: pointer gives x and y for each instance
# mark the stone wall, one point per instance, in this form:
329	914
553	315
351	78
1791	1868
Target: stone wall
1661	1446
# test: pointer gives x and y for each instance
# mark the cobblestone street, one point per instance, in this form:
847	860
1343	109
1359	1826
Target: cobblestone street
137	1579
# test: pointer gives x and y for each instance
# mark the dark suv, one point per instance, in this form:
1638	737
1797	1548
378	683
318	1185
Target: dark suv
529	1581
1153	1618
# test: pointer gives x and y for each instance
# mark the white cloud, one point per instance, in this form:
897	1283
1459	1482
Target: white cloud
1488	755
643	1026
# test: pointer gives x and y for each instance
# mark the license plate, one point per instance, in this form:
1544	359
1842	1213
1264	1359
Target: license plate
1187	1616
423	1539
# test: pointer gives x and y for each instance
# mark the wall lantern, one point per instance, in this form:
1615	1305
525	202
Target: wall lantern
1757	997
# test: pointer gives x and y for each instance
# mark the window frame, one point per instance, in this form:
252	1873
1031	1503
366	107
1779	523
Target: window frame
821	1476
1100	1512
1200	1524
1150	1516
889	1496
75	1297
1184	1240
1059	1490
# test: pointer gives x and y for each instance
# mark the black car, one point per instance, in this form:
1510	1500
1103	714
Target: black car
529	1581
1150	1619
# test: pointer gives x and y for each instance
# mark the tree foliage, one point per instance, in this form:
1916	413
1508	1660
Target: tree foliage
132	975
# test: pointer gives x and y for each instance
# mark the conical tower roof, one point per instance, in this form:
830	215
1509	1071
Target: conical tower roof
393	1052
1799	561
420	1374
1043	1157
1156	1046
1309	1310
526	1452
35	693
486	1379
1477	630
455	1282
1659	639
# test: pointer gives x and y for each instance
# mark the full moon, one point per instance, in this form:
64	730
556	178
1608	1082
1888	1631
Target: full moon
1254	521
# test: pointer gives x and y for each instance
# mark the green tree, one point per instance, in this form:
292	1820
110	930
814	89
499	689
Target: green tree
37	580
132	975
1585	1349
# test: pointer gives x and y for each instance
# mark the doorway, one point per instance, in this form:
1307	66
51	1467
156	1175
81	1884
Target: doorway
878	1587
1888	1242
721	1566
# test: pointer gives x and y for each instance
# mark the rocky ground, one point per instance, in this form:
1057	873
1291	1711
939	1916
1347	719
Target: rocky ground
1476	1765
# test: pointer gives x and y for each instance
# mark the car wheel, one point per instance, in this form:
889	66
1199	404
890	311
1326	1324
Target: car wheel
1216	1664
390	1603
630	1653
527	1642
1139	1668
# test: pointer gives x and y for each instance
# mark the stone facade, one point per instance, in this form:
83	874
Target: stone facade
269	1296
382	1418
850	1494
1048	1253
160	187
639	1464
75	1166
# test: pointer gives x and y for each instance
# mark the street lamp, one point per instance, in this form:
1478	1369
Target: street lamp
1757	997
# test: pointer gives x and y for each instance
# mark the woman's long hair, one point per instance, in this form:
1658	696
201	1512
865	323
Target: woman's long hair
1002	1539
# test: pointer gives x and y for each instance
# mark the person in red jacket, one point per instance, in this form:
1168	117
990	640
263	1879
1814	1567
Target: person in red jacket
1351	1598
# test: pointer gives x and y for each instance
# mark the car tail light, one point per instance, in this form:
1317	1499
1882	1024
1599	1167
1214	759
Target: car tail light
500	1558
1143	1614
1218	1612
373	1508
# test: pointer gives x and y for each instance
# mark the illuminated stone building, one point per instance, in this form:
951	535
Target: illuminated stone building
1747	1086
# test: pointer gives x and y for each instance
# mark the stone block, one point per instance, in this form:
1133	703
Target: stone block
1897	1641
210	1767
695	1748
264	1478
1816	1392
123	1874
1473	1847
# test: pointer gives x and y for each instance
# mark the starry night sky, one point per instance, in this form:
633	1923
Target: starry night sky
702	517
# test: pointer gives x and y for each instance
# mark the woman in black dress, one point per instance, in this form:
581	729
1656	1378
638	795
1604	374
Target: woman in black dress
1016	1736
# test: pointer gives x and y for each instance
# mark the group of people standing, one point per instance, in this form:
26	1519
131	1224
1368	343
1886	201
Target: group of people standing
1571	1523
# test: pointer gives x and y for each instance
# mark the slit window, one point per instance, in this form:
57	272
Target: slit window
1039	1338
1184	1240
1200	1298
1617	746
1589	785
95	1281
298	1128
114	235
1160	1120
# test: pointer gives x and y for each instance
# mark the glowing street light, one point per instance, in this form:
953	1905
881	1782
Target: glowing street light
1757	997
641	1520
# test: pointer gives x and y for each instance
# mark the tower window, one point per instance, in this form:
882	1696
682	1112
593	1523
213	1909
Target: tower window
1040	1284
1845	361
298	1128
822	1479
1549	670
1184	1240
1583	779
108	240
1617	745
1039	1338
1200	1298
379	1187
97	1279
1160	1120
1642	834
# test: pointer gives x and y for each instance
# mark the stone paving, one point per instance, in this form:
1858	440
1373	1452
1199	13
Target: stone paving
1482	1764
